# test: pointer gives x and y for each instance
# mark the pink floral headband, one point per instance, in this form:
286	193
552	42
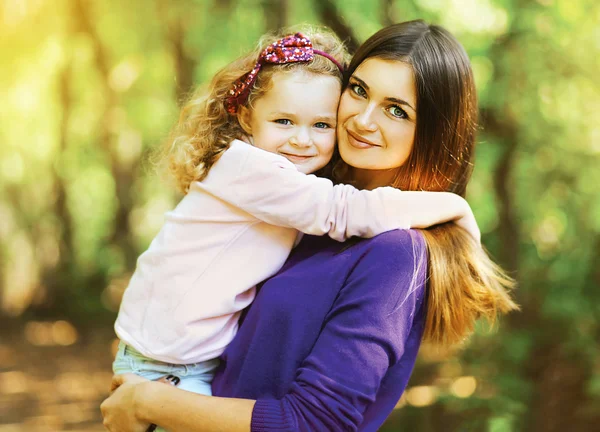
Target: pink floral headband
290	49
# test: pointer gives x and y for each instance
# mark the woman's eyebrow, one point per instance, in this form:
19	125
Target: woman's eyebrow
400	102
390	99
361	82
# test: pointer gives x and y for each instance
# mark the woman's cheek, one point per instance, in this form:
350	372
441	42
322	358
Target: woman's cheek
403	141
345	102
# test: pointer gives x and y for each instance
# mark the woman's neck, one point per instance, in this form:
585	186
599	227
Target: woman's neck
371	179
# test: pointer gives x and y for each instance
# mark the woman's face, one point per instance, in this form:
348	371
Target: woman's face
377	120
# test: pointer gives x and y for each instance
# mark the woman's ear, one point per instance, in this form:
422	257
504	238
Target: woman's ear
244	118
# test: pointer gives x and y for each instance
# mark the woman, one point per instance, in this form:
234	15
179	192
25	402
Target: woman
331	340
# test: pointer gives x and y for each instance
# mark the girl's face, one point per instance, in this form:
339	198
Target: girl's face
296	118
377	120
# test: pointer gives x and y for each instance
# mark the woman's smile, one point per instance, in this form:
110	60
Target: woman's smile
359	142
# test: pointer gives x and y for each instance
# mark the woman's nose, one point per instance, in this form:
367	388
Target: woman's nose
365	119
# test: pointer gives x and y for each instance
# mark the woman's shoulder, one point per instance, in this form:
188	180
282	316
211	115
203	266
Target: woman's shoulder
391	244
386	270
393	258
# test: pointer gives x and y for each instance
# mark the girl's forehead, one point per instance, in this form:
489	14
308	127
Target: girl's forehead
298	83
300	76
296	92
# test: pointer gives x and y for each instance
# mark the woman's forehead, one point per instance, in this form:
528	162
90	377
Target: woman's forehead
388	79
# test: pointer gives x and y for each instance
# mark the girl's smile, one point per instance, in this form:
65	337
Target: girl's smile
296	118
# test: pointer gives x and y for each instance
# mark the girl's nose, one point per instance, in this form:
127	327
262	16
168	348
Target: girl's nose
301	138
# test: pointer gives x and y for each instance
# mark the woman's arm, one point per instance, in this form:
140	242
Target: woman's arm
135	405
364	334
270	188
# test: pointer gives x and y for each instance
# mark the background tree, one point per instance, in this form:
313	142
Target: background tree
90	87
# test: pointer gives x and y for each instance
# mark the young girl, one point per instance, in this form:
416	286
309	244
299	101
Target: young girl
246	200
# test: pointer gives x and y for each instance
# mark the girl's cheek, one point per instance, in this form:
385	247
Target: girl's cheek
330	145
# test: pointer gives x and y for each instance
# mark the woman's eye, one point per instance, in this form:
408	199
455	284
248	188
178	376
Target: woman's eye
357	89
397	112
322	125
283	122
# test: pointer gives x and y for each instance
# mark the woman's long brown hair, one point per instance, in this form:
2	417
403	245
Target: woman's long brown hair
464	284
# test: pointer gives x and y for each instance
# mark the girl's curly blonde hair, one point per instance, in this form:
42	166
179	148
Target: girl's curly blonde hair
205	128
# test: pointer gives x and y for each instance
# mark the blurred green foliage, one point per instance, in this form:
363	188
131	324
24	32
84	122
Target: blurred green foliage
90	87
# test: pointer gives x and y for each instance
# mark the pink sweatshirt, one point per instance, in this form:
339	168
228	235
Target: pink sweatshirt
231	231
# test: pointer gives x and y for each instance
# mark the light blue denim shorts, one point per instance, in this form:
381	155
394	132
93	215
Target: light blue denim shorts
195	377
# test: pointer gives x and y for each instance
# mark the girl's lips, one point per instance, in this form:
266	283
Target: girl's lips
295	158
356	141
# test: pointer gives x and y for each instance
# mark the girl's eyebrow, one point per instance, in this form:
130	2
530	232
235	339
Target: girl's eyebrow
390	99
320	118
281	114
327	118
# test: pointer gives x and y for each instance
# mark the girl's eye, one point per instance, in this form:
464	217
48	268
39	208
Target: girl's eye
322	125
358	90
397	112
285	122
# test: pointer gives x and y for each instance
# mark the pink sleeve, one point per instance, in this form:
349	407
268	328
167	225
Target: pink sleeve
270	188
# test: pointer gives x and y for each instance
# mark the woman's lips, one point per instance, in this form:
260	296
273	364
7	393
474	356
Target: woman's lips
359	142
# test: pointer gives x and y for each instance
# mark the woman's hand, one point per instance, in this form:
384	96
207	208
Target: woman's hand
118	380
118	410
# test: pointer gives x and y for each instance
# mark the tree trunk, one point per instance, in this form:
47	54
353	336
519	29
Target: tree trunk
331	17
62	275
121	235
500	122
387	15
185	64
56	278
275	13
558	378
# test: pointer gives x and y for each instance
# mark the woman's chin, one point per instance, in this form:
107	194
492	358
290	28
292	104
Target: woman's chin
349	156
356	158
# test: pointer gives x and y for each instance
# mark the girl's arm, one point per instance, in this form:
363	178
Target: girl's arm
270	188
365	332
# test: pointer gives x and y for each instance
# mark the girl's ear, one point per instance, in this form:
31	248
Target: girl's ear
244	117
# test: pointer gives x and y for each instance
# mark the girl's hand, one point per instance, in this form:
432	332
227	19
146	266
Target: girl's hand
467	222
118	410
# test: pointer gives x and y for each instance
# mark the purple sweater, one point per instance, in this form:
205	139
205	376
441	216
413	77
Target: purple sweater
331	340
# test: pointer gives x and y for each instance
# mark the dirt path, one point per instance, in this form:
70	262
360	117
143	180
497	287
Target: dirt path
53	388
46	387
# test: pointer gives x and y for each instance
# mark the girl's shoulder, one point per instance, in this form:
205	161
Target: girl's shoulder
238	148
245	162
